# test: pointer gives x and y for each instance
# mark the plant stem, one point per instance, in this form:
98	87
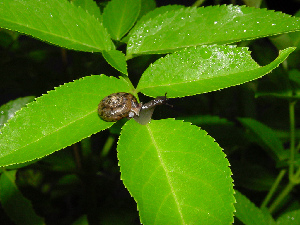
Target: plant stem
282	195
293	177
292	139
273	189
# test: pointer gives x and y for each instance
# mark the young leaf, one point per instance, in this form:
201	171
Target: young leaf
120	15
58	119
116	59
55	21
176	173
13	202
203	69
207	25
248	213
266	137
9	109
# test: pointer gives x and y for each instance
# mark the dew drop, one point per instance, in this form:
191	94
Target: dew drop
205	54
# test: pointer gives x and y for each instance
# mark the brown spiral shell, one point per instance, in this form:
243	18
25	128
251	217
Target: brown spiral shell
117	106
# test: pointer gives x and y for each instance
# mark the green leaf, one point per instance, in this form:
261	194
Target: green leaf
58	119
119	16
13	202
56	21
248	213
151	14
116	59
147	6
295	37
289	218
203	69
226	133
8	110
207	25
176	173
154	13
90	6
207	120
266	137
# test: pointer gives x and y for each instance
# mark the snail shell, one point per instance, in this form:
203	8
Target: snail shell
117	106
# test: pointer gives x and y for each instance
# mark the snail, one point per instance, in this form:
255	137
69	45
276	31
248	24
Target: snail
124	105
117	106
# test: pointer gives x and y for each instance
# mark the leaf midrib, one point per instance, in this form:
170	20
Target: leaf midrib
166	173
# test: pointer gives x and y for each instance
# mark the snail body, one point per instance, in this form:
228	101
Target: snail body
160	100
117	106
124	105
148	109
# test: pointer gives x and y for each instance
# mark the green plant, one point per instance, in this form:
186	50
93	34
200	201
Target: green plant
175	171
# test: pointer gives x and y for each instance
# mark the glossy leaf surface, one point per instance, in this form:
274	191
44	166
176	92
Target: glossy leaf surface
203	69
207	25
14	203
176	173
119	16
58	119
58	22
152	14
